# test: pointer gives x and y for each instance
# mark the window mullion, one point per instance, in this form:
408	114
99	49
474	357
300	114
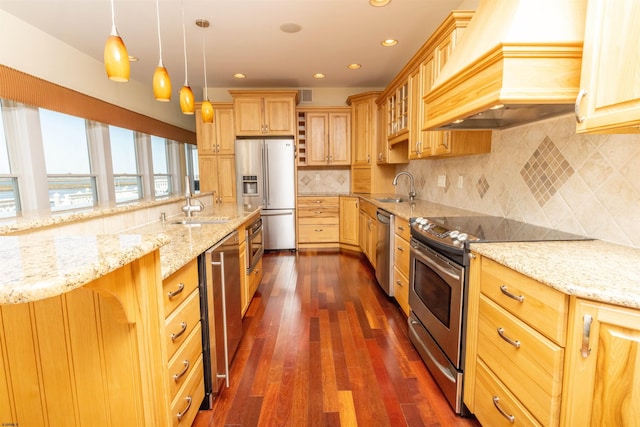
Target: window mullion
145	164
100	160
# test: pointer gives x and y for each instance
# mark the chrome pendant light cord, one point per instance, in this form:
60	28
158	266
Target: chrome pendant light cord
160	64
184	42
204	56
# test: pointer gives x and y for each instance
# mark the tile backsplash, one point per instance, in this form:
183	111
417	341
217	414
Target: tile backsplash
324	180
545	174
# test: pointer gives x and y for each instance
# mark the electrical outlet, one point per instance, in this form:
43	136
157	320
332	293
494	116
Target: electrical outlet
442	181
460	181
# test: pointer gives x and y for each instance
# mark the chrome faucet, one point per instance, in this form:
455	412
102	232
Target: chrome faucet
412	188
188	208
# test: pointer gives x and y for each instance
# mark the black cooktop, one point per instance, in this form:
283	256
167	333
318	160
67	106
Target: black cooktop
497	229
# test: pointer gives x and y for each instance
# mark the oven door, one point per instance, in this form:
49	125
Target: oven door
255	246
435	296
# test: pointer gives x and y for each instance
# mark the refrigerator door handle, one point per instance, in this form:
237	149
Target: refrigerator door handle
266	174
265	213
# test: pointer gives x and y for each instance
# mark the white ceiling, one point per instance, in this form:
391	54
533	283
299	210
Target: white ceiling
245	37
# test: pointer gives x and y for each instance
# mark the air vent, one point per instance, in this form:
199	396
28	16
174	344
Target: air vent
305	95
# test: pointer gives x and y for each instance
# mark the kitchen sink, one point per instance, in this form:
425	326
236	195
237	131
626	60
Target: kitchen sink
391	199
197	221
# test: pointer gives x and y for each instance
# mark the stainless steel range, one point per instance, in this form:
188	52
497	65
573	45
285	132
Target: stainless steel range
438	288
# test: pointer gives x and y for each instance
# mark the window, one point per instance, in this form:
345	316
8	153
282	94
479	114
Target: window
193	171
161	175
124	157
9	196
66	152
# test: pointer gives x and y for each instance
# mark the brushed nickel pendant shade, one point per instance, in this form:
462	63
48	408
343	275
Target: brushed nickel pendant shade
206	108
161	80
116	58
187	104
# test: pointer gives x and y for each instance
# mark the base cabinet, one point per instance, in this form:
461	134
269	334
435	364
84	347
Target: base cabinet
602	371
318	221
368	225
349	221
401	252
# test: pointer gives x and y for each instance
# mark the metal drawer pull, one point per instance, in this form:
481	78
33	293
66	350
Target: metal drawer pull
496	403
180	374
179	415
176	335
400	249
172	294
318	229
401	228
586	332
317	212
519	298
515	343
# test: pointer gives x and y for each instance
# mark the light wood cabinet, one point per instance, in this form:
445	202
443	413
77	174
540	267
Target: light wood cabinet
366	175
249	281
328	137
610	68
368	230
515	347
264	113
602	370
349	221
93	356
216	160
401	253
318	221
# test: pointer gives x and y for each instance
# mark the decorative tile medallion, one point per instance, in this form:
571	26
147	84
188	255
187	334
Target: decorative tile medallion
482	185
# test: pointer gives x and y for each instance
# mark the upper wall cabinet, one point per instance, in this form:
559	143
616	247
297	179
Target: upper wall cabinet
324	136
609	98
264	113
217	137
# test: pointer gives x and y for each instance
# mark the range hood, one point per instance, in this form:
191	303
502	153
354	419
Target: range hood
517	62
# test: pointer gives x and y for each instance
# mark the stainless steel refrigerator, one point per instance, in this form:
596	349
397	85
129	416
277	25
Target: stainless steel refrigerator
265	176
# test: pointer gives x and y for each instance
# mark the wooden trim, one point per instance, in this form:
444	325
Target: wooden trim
27	89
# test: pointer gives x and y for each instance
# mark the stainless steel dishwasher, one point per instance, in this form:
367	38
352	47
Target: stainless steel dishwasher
221	313
384	252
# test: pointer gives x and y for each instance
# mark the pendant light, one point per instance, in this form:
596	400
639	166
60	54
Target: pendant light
161	80
116	59
206	108
186	94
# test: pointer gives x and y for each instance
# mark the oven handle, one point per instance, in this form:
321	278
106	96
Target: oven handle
440	366
444	269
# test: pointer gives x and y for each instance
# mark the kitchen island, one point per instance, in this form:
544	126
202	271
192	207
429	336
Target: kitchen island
85	328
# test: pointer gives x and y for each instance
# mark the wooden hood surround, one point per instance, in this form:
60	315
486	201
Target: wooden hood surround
524	55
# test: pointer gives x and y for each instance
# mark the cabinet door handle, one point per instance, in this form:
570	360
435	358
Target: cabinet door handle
519	298
515	343
581	94
400	249
176	335
586	332
401	228
368	158
399	283
496	403
180	374
179	415
172	294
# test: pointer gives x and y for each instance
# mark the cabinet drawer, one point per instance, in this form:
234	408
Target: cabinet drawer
532	370
310	202
327	214
182	363
181	322
319	233
401	254
487	389
542	307
369	208
401	290
402	228
184	407
177	287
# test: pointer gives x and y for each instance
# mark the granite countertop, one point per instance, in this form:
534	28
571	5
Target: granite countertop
592	269
36	267
415	208
41	265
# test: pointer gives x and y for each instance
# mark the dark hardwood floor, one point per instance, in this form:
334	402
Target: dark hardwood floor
324	346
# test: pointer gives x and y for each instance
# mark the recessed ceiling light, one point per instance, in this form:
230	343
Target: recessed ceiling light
239	75
389	42
354	66
319	76
379	3
290	28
